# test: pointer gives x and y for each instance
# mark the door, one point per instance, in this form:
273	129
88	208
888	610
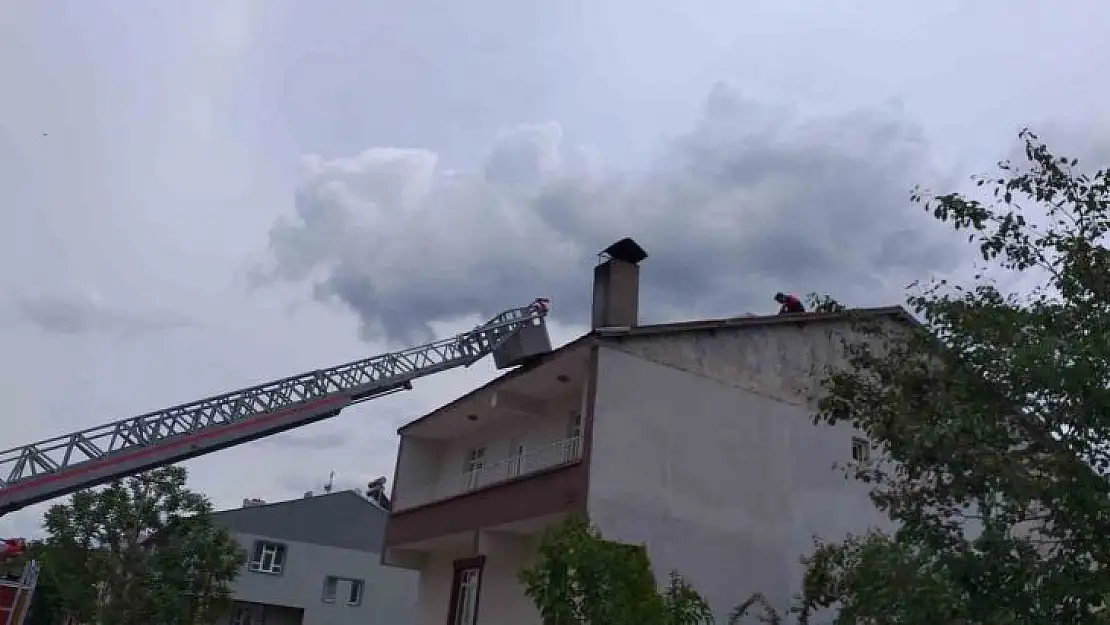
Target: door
466	585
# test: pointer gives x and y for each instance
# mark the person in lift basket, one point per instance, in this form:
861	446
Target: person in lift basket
790	304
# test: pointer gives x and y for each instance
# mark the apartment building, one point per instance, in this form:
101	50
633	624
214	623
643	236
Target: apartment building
316	561
694	439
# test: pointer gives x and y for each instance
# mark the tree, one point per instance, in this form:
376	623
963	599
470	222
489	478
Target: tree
820	303
994	414
579	578
141	550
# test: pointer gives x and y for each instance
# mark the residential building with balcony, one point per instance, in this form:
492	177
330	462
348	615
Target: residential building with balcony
316	561
694	439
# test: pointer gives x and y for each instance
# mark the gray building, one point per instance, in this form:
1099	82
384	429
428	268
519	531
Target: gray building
316	561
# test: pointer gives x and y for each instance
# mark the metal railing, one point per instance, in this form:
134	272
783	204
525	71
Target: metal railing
546	457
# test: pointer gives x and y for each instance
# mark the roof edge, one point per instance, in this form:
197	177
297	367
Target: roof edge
897	312
275	504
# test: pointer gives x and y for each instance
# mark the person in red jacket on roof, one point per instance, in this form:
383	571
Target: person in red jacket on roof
790	304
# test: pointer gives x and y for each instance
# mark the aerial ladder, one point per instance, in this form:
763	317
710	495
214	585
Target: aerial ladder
58	466
61	465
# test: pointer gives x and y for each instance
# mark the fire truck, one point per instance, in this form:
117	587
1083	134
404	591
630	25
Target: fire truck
59	466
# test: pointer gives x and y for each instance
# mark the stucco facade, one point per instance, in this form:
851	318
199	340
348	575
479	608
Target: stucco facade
721	483
296	595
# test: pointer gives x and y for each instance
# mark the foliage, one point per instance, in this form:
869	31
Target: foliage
823	304
768	614
141	550
579	578
995	411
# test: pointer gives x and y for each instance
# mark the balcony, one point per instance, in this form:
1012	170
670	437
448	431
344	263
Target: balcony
549	456
505	454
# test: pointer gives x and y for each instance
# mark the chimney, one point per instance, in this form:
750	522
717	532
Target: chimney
617	285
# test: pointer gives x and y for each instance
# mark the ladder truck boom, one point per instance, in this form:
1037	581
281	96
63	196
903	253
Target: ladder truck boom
58	466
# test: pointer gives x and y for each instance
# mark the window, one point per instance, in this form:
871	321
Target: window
354	596
575	429
517	451
861	450
350	588
267	558
243	615
476	459
475	462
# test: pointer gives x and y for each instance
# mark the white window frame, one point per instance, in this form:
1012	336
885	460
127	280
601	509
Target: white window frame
268	557
475	463
466	612
518	449
861	450
352	589
355	592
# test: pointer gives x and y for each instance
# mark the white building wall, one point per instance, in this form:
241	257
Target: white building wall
389	594
420	462
723	484
435	588
503	601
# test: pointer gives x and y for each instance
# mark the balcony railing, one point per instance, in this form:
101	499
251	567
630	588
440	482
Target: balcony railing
553	455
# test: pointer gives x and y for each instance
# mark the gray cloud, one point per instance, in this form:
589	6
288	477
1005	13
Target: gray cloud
85	314
322	440
751	200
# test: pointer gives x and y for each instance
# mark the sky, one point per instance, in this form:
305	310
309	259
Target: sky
204	195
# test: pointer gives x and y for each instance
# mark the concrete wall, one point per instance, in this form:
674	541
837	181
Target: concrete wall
781	361
419	463
726	485
502	600
435	588
389	594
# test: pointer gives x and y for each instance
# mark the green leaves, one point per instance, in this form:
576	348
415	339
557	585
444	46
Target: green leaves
579	578
823	304
141	550
995	413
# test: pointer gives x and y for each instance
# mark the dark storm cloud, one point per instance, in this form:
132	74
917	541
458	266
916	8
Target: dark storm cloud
751	200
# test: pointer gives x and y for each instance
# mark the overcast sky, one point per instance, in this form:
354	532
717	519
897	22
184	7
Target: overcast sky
199	196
